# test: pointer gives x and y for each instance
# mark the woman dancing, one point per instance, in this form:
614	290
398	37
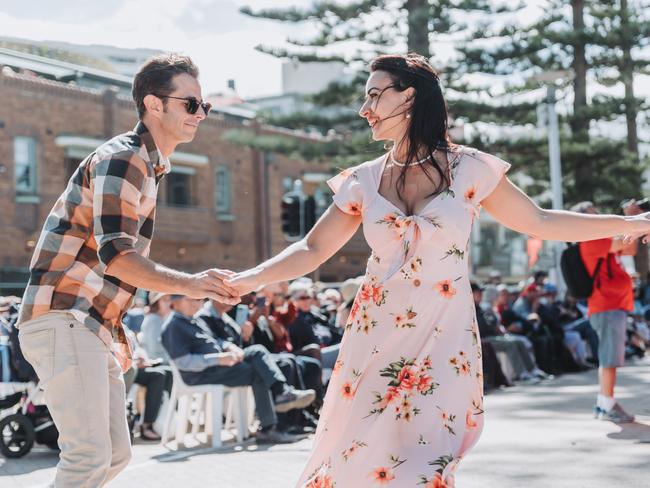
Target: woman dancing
405	402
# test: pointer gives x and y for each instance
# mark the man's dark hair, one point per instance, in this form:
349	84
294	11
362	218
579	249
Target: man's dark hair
156	76
540	274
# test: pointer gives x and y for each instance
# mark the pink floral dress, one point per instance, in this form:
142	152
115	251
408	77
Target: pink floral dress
405	402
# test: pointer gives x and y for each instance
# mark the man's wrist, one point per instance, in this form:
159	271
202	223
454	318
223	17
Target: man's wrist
181	282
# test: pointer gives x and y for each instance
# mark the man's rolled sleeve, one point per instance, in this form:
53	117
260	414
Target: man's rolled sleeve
117	190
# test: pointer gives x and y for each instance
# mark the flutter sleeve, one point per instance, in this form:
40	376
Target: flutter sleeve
348	191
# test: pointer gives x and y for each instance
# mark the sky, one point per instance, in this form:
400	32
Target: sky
218	38
213	32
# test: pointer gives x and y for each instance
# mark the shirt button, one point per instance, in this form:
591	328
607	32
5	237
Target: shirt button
416	283
71	326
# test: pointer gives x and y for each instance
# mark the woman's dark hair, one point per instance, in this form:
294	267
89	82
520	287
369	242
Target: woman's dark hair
156	77
428	122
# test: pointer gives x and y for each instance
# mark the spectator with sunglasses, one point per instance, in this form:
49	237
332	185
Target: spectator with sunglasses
90	258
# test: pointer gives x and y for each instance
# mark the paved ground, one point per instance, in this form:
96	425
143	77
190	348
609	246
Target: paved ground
535	437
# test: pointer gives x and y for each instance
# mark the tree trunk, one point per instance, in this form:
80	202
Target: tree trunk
579	121
631	112
419	13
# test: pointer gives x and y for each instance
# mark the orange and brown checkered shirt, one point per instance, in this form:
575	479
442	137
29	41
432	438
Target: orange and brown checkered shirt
106	210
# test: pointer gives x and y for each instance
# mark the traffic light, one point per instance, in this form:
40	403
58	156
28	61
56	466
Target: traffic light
291	221
309	213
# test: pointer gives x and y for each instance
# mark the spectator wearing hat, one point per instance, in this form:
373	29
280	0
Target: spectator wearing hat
160	306
495	277
302	372
203	358
308	331
348	290
540	348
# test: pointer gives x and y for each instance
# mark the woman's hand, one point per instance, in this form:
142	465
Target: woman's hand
639	227
245	282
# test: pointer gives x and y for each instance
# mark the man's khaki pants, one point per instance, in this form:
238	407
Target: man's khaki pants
84	392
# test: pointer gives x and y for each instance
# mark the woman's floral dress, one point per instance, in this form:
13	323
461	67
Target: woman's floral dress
405	402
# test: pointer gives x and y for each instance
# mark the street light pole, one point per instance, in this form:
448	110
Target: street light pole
555	163
554	149
550	79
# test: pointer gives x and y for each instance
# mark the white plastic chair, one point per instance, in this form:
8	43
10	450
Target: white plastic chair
209	407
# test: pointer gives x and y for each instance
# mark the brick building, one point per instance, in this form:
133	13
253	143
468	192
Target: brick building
220	206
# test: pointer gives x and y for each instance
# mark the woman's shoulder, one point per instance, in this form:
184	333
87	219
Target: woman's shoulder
364	168
459	152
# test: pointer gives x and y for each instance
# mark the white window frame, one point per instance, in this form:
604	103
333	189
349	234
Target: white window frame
222	190
31	162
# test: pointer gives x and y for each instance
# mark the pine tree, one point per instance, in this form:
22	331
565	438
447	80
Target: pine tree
375	27
621	27
557	41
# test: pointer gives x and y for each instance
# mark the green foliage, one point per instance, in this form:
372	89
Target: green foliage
508	54
340	152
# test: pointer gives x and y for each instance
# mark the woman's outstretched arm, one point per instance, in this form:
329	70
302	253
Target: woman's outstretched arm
514	209
330	234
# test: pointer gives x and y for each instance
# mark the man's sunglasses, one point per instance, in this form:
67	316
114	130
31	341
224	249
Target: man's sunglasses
192	104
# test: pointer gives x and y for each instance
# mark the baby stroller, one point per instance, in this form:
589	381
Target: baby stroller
26	422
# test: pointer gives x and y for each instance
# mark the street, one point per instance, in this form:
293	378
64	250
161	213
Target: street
535	437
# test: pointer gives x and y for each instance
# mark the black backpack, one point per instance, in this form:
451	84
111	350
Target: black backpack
578	280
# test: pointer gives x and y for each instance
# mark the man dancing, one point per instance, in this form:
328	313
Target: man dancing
90	258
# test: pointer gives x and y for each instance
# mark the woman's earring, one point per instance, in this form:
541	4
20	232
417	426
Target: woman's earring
408	116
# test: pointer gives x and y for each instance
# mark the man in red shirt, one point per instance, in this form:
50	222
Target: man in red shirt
608	307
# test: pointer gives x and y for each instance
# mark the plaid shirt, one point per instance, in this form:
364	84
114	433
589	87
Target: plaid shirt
106	211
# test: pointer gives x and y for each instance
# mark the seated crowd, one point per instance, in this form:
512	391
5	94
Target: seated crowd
283	342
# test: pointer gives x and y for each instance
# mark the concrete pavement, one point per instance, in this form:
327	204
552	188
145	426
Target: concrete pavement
535	437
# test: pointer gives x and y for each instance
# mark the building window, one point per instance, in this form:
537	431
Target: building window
71	165
222	192
179	187
25	165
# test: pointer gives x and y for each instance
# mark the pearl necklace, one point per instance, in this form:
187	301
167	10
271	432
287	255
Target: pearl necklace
415	163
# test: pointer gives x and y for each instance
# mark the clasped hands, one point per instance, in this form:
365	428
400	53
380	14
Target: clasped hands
222	285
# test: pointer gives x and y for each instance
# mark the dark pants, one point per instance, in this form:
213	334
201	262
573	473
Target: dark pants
493	376
157	380
312	375
302	372
258	370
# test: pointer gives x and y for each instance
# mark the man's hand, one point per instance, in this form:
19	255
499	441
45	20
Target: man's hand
228	359
238	351
247	330
210	284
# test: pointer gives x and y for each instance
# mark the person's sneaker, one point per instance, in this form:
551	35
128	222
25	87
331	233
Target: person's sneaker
301	430
542	375
291	399
275	436
597	411
616	415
